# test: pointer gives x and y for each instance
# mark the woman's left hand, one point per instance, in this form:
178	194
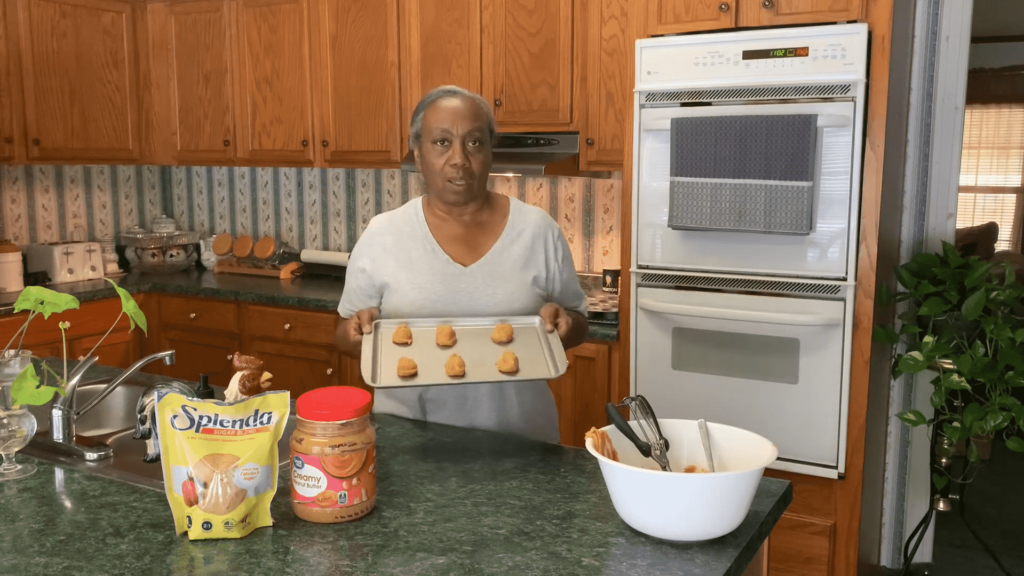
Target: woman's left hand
556	318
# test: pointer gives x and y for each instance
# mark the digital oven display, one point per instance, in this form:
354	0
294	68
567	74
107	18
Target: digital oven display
776	53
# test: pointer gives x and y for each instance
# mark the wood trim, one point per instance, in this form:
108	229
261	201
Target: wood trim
13	66
654	27
849	489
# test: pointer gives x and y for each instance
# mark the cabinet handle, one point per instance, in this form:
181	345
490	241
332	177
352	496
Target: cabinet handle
497	103
227	143
192	316
229	357
305	143
8	140
768	4
324	143
330	371
723	7
36	142
590	141
287	326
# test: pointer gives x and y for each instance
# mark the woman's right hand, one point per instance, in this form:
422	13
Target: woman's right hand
349	336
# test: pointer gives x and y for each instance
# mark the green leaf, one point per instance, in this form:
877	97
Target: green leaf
974	305
925	287
934	306
979	271
905	278
1010	274
26	391
952	255
978	349
909	329
938	397
996	420
913	363
972	451
1015	443
910	317
884	335
1011	357
953	431
964	363
972	414
1019	335
954	381
925	262
130	308
912	418
1014	380
44	301
939	481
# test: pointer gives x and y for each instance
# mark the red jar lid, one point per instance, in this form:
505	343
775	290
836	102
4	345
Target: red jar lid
333	403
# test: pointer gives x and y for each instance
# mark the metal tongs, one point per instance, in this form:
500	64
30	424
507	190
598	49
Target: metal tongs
654	445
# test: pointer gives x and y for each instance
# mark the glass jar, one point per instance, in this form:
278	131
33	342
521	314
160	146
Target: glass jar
333	455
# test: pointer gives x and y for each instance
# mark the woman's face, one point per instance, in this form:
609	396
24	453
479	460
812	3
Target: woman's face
454	154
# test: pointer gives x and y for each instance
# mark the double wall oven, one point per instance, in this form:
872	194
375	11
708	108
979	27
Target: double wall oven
748	149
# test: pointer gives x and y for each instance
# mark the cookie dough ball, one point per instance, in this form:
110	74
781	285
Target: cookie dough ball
406	367
455	367
502	334
508	363
402	336
446	336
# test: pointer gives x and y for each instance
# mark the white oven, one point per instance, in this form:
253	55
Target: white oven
748	148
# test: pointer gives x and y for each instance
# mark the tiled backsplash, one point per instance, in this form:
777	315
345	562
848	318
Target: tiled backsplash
325	209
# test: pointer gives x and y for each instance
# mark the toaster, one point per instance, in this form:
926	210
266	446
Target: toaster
66	261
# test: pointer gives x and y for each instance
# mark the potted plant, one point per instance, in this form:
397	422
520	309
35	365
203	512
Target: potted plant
21	383
966	325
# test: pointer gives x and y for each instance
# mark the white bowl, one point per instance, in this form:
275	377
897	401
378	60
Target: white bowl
685	507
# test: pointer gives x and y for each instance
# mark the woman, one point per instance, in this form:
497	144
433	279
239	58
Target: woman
463	251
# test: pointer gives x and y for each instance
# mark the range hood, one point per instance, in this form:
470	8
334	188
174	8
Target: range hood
536	154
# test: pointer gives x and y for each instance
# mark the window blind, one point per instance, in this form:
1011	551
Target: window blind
991	170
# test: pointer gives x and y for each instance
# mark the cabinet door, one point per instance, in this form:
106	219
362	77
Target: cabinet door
201	83
118	350
351	374
275	122
199	353
440	46
582	393
784	12
676	16
608	87
8	130
80	79
297	368
358	50
527	69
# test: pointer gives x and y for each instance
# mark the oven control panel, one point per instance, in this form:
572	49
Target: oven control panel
759	54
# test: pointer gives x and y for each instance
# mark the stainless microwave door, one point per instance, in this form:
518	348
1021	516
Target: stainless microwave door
824	253
770	365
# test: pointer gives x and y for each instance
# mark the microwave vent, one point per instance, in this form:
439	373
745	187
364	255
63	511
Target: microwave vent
752	93
656	280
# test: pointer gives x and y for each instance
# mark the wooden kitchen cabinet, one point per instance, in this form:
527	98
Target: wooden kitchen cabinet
275	108
80	79
88	325
198	353
357	53
192	41
120	349
788	12
297	368
680	16
528	63
440	45
608	86
11	137
582	392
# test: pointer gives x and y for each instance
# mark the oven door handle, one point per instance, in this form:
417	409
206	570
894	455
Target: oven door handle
824	121
740	315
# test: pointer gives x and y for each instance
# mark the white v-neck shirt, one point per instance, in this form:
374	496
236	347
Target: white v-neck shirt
398	266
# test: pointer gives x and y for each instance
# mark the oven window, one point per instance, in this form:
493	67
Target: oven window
736	355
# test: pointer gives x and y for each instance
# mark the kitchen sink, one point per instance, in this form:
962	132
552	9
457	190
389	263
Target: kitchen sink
112	422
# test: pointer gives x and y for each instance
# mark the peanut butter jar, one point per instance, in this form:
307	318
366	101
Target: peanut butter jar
333	455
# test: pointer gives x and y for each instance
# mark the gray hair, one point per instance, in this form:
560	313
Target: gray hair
440	93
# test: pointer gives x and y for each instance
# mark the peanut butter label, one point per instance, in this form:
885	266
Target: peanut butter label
335	481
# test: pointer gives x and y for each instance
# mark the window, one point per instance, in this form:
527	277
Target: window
991	170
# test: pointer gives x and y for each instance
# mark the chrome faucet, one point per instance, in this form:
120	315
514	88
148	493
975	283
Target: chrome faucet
63	413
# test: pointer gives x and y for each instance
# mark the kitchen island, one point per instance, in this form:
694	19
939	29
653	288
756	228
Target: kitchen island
451	501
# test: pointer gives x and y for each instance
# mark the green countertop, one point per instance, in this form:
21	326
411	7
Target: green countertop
311	293
451	501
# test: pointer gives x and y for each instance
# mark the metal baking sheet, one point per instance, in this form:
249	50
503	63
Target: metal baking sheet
541	356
